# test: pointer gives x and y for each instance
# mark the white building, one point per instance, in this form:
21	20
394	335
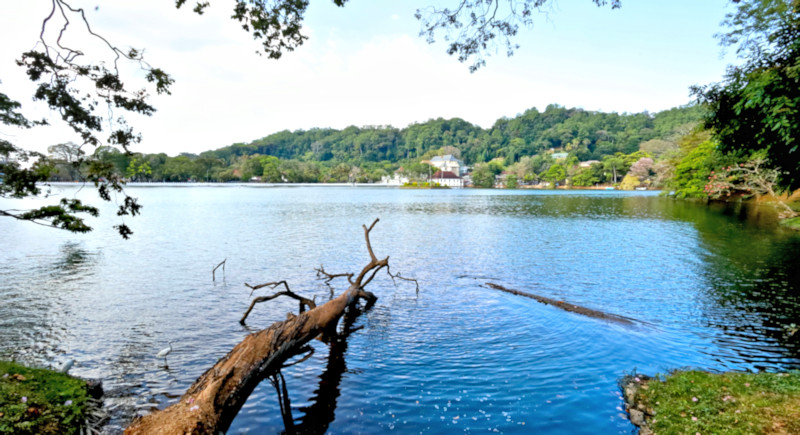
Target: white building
447	178
448	163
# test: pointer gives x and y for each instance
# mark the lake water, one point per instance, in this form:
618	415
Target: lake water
713	287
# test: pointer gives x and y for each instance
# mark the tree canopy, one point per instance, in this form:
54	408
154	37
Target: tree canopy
757	105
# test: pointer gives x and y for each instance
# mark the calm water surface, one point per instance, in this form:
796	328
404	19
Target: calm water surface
713	287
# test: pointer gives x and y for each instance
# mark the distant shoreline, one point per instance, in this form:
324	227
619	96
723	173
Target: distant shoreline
267	185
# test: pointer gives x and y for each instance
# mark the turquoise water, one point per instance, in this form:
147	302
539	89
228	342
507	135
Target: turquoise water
713	287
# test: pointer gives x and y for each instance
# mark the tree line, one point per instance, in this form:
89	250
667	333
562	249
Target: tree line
365	154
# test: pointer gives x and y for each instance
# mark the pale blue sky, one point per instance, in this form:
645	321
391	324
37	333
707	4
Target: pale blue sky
365	65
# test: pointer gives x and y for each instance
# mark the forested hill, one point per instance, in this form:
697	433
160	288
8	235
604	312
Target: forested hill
365	154
587	135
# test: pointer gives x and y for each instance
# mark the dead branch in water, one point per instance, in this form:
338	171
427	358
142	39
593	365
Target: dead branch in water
567	306
328	277
304	302
215	398
214	270
398	276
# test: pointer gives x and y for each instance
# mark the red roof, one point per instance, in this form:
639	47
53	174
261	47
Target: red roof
445	174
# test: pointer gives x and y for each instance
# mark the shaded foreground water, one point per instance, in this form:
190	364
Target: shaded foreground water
715	288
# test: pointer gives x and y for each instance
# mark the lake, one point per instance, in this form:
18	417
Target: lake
712	286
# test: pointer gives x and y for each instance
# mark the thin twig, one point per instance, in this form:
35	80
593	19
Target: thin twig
398	276
328	277
214	270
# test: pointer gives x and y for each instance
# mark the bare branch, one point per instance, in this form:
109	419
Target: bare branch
366	236
398	276
214	271
304	302
328	277
380	265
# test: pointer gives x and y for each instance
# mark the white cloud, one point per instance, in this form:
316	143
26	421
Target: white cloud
225	93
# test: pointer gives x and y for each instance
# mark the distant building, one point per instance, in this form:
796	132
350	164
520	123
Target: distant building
448	163
588	163
560	156
447	178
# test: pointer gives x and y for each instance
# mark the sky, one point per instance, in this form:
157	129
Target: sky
365	64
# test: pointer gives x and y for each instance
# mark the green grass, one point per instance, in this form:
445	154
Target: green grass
40	401
793	223
728	403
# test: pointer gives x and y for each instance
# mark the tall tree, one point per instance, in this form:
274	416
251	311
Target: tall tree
757	105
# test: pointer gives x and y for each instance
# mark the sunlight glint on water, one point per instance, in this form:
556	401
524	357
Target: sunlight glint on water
711	290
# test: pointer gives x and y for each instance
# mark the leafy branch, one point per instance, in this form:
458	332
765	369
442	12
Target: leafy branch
475	27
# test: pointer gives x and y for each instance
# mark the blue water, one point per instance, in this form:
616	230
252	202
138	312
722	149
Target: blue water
713	287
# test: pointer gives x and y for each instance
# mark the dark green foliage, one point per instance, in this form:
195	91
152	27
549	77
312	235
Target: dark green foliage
329	155
590	176
692	171
88	97
277	24
53	403
555	174
587	135
757	105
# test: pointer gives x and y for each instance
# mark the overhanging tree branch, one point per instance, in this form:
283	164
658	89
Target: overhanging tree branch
474	28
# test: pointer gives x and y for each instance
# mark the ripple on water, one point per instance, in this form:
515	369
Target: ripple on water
457	357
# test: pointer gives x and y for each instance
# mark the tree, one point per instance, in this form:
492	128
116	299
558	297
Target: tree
589	176
511	181
692	171
753	177
658	147
616	165
482	175
138	169
642	169
66	156
555	174
757	105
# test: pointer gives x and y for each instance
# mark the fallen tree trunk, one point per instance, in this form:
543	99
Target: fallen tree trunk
567	306
215	398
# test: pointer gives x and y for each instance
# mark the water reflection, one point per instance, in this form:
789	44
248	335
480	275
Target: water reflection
719	282
752	285
317	417
42	296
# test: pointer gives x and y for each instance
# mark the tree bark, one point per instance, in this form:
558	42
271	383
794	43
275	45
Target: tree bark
215	398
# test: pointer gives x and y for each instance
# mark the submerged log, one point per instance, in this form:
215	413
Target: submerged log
215	398
566	306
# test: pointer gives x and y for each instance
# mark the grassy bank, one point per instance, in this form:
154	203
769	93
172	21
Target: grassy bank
793	223
727	403
40	401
